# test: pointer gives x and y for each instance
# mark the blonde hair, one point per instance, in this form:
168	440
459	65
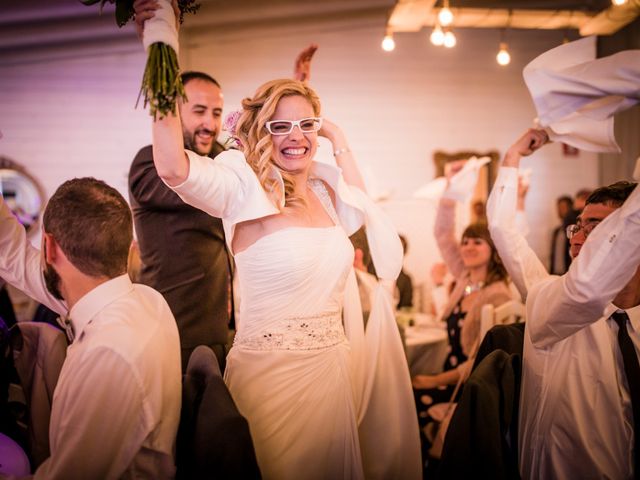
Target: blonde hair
256	140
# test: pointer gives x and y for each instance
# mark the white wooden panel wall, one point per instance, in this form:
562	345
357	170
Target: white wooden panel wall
398	108
75	117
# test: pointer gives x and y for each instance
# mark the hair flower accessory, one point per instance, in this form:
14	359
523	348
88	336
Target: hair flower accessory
229	125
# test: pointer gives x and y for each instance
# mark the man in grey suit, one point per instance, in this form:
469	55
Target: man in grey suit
182	249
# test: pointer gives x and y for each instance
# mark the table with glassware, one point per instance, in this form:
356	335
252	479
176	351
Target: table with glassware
425	341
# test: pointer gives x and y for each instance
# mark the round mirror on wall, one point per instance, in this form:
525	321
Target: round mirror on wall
22	193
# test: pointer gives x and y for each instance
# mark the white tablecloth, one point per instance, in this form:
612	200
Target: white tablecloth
426	345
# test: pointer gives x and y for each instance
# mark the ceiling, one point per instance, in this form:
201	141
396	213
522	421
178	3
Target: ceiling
31	28
590	17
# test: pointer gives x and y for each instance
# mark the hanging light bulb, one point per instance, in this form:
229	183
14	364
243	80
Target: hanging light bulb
503	57
618	2
437	36
445	16
449	39
388	44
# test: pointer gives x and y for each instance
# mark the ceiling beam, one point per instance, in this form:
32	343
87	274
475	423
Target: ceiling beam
412	15
612	19
407	20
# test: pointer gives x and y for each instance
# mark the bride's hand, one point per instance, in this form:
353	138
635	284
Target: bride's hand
331	131
146	9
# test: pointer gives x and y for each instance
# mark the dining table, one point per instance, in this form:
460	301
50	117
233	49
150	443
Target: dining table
425	341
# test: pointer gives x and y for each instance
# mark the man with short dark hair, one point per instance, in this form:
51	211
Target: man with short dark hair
579	402
116	406
182	249
581	199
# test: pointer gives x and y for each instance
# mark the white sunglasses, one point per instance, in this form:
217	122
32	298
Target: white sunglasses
285	127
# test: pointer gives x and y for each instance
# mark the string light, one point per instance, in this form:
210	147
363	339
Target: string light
503	57
445	16
388	43
449	39
618	2
437	36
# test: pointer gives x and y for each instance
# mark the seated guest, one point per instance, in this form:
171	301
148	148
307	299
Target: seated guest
404	285
480	279
116	407
580	396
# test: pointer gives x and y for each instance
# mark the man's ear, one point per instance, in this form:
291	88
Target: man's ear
50	248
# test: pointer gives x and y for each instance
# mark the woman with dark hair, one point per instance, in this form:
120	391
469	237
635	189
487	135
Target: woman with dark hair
481	279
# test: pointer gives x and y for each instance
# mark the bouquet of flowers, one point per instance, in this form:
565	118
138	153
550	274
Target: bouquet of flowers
161	83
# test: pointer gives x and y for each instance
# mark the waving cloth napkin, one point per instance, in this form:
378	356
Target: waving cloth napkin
576	95
461	185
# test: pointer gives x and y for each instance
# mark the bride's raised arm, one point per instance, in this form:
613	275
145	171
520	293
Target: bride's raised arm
169	156
168	145
341	151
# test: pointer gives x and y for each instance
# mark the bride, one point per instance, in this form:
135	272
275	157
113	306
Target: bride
323	398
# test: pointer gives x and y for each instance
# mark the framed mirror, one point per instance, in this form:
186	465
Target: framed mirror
22	193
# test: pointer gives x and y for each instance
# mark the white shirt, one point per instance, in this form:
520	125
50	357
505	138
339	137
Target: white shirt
116	406
575	410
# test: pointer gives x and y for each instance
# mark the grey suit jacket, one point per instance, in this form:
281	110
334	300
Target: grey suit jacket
183	255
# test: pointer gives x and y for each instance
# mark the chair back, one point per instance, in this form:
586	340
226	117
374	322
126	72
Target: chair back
482	438
213	438
512	311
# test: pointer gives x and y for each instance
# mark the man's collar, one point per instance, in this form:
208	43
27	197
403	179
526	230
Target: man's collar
96	300
634	315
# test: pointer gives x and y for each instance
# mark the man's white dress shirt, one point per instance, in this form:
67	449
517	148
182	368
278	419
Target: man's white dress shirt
575	409
116	406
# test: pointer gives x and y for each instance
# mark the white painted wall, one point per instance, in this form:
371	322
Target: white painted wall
75	116
398	108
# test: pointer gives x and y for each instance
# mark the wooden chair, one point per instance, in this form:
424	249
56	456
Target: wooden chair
510	312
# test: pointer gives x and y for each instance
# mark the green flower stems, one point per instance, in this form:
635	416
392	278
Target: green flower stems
161	82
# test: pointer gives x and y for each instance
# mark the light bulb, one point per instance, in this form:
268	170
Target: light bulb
445	16
449	39
388	44
437	36
618	2
503	56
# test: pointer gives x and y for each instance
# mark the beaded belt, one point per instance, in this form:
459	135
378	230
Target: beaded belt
297	333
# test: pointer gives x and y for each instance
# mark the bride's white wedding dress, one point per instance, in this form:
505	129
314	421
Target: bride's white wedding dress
323	399
289	369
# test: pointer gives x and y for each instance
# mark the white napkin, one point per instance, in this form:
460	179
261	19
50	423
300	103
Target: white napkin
463	183
576	95
432	190
161	28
